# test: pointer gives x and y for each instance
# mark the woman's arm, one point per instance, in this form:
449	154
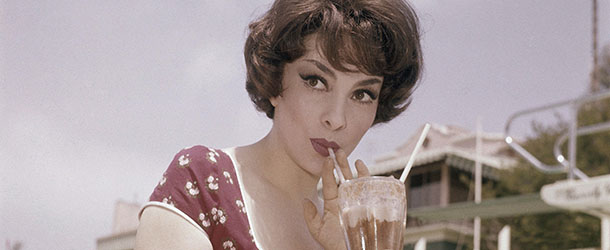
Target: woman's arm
163	229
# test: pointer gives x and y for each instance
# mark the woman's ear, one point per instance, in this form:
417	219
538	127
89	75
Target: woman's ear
274	101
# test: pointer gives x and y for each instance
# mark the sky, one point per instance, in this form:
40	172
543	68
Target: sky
96	97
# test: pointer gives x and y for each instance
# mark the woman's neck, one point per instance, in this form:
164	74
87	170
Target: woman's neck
268	161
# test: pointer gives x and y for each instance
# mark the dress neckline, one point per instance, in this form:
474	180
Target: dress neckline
245	197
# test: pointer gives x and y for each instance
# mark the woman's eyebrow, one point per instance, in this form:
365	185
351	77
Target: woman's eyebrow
326	70
369	82
322	67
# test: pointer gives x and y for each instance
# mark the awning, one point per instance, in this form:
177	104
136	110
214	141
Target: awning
493	208
453	157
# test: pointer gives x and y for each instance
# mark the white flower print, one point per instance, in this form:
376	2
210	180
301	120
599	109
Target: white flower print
251	234
228	244
205	222
184	161
168	200
212	183
163	180
191	188
228	178
212	156
240	206
218	215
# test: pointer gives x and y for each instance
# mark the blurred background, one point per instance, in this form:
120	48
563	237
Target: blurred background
96	97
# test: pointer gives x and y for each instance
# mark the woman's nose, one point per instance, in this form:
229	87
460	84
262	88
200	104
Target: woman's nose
334	117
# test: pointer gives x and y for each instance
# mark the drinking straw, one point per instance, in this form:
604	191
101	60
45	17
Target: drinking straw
422	137
337	169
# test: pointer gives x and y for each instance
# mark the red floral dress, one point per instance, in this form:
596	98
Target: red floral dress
201	186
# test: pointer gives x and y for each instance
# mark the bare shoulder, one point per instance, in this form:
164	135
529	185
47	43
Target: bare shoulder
161	228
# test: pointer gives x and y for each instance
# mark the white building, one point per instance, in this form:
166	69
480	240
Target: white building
124	226
439	177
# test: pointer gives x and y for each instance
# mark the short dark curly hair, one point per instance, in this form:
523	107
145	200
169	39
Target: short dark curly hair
379	37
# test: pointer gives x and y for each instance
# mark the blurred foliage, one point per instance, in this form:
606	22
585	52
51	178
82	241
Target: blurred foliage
559	230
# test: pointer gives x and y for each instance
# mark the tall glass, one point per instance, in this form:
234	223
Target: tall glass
373	212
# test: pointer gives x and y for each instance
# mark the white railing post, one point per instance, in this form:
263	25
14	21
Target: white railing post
478	180
421	244
504	238
605	232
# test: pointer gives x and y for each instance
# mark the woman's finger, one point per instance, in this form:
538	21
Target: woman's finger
363	171
343	164
329	184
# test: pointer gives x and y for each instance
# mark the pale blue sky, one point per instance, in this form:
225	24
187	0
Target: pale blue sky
97	96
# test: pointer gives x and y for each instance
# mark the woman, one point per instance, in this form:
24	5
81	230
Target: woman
325	71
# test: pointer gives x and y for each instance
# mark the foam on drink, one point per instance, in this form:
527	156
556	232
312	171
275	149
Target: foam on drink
359	213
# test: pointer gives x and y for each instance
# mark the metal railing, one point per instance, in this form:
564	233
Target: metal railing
564	165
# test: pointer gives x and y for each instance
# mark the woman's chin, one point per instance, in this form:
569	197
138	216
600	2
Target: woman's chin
314	168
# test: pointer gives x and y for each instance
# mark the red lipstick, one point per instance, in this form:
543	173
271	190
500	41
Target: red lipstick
321	145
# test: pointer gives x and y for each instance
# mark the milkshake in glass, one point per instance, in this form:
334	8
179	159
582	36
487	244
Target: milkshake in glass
373	212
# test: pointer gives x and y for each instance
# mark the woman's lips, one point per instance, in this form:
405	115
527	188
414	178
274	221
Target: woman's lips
321	145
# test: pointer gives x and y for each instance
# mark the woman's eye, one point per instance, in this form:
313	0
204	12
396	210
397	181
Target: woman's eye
364	96
314	82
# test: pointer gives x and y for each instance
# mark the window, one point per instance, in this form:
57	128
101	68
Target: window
425	189
426	178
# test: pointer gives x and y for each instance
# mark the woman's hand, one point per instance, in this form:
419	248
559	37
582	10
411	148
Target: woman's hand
326	228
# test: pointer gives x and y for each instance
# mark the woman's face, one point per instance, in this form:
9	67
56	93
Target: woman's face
321	107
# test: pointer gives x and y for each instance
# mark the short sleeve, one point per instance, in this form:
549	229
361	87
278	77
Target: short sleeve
199	185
